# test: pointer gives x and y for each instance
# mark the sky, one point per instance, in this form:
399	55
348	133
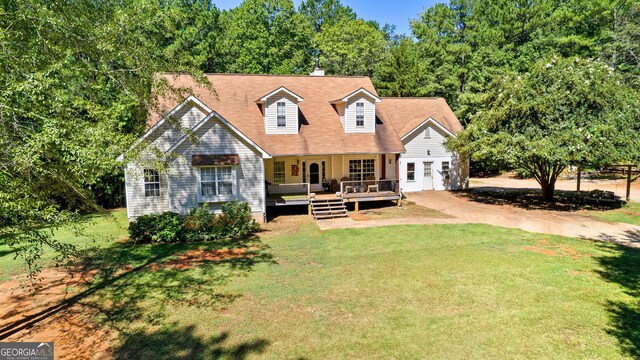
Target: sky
396	12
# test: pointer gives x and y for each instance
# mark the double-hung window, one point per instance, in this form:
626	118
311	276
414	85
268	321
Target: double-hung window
360	114
411	171
281	109
445	170
216	183
151	183
278	172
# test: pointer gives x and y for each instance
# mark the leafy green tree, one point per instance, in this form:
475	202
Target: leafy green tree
76	81
562	112
351	47
266	37
402	71
322	13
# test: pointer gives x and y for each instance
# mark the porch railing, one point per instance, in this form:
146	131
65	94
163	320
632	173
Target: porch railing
289	189
368	186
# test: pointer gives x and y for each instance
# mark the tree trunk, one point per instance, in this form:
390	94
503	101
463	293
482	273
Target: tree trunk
548	189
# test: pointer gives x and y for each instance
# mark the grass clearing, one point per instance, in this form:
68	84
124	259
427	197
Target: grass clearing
100	231
629	214
415	291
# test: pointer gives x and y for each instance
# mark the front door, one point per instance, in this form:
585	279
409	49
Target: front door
427	179
314	176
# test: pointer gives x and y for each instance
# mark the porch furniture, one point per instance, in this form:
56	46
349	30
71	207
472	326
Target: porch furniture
334	185
348	188
370	183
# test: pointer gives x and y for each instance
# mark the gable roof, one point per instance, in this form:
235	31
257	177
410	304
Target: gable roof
215	115
407	114
321	131
352	94
280	89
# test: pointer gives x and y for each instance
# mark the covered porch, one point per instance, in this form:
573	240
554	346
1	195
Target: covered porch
297	180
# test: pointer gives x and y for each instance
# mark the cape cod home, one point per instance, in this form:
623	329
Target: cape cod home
275	140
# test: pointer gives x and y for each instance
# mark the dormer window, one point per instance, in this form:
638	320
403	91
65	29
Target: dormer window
357	111
360	114
282	113
280	110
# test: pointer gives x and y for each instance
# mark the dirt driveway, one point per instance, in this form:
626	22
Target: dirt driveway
619	187
562	223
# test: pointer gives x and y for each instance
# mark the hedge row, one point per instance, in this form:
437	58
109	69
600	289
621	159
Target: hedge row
169	227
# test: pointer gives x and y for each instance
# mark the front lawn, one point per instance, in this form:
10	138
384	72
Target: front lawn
404	292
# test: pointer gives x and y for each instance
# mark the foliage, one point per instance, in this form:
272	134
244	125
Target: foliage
350	47
201	225
236	220
166	227
266	37
562	112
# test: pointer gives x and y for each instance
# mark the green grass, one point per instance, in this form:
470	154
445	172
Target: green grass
629	214
405	292
99	231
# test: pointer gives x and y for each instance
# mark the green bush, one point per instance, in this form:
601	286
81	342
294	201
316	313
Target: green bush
167	227
236	220
201	225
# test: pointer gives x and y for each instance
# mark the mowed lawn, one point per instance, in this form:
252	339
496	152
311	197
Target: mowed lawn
404	292
629	213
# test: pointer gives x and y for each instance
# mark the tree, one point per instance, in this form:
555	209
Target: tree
77	79
562	112
402	71
266	37
322	13
351	47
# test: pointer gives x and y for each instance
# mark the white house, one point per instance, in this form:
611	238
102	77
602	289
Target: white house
275	140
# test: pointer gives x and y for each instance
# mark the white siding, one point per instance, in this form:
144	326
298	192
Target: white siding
369	115
417	145
167	135
271	115
431	149
137	203
162	139
215	138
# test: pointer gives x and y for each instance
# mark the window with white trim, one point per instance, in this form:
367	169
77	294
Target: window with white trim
427	169
360	114
151	183
427	133
445	170
281	109
361	169
216	183
411	171
278	172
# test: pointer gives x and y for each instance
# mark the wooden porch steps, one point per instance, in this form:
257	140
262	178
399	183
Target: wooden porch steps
328	208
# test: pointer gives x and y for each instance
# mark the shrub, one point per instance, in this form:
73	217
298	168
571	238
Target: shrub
167	227
236	220
201	225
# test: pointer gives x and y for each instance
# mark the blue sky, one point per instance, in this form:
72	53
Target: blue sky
397	12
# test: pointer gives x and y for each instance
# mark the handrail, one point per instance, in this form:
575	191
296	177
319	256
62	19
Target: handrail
360	185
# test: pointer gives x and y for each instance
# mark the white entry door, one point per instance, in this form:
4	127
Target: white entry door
427	179
315	178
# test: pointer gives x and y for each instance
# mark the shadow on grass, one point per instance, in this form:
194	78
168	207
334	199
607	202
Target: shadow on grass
620	265
531	199
178	342
132	288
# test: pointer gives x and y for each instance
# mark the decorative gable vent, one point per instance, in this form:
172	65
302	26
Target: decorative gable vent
280	109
